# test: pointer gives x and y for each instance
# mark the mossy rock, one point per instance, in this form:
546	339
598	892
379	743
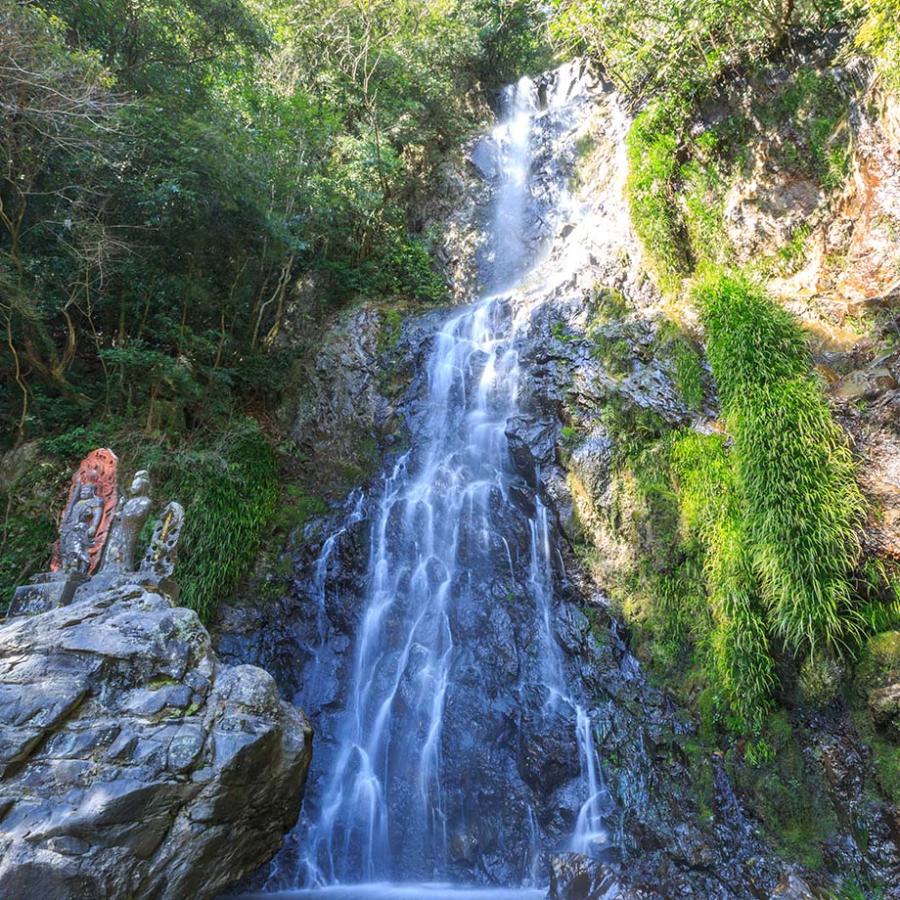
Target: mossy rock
789	799
820	679
878	684
879	663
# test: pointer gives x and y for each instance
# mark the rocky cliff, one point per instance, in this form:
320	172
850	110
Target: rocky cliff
608	364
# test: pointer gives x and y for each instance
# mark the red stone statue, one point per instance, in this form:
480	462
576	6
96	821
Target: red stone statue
84	524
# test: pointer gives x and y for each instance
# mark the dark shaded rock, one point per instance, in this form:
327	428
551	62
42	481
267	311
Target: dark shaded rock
45	591
135	765
577	877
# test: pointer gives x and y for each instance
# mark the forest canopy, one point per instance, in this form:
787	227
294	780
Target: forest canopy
170	171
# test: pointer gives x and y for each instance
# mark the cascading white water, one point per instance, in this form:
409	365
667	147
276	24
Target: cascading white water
423	781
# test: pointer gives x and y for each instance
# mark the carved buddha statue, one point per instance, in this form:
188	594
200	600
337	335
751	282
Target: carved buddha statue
78	529
130	517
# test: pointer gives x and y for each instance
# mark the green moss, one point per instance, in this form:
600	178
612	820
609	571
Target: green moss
820	679
792	805
614	354
561	333
885	753
296	507
702	779
632	428
607	305
791	255
585	146
391	323
879	661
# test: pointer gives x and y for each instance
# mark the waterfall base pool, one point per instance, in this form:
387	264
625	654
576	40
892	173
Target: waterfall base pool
387	891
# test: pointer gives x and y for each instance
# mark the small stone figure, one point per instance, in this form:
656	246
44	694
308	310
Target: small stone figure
159	560
127	524
78	530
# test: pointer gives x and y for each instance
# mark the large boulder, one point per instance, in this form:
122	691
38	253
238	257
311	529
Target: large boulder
132	763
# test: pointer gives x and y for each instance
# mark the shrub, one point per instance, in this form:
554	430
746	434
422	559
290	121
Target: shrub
229	490
879	35
738	646
750	340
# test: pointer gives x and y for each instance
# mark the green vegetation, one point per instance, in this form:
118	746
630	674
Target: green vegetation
652	165
735	556
879	36
171	171
879	665
184	181
745	548
229	490
687	367
793	806
29	524
794	471
644	44
680	165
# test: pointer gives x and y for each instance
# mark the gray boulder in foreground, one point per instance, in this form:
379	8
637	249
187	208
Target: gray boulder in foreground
132	763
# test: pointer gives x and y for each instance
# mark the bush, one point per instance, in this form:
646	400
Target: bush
879	35
229	491
738	646
750	340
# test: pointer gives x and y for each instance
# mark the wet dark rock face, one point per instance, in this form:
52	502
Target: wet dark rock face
134	763
504	749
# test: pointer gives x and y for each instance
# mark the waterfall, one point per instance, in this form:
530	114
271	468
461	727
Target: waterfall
457	699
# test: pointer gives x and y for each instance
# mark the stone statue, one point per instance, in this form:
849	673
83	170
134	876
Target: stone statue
98	535
94	489
83	529
78	530
159	560
127	524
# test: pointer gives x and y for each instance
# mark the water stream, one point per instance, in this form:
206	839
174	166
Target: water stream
461	753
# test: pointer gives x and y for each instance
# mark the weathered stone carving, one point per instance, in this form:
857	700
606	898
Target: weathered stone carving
78	530
86	519
159	560
127	524
98	535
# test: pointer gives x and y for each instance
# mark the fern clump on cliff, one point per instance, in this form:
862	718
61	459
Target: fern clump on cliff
737	646
794	472
230	492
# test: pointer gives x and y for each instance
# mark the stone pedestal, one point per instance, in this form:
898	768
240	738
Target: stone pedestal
44	592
